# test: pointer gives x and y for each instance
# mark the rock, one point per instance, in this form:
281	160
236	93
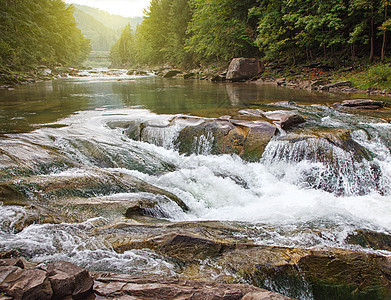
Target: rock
68	279
336	85
289	120
171	73
218	78
363	104
244	68
190	75
281	81
259	135
11	262
110	285
285	120
25	284
252	112
332	274
370	239
266	295
226	136
320	82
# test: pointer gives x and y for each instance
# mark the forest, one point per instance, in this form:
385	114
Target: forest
187	33
39	32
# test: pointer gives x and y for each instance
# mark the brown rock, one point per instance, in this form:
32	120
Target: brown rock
258	137
289	120
11	262
25	284
336	85
171	73
363	104
68	279
110	285
266	295
244	68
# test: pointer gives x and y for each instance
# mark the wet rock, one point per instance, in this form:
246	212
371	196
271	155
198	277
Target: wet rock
285	120
259	135
226	136
184	247
363	104
244	68
25	284
333	274
252	112
370	239
171	73
109	285
67	279
265	295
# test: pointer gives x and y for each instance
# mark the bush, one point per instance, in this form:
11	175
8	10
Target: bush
379	76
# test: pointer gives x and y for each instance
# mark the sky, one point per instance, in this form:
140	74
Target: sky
126	8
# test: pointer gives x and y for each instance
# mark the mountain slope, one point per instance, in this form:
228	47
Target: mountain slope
102	28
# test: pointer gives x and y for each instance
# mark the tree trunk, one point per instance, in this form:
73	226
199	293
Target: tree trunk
371	55
383	48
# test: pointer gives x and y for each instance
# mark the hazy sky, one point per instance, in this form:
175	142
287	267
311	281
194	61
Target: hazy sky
126	8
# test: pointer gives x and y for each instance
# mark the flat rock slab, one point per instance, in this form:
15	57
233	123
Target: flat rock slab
363	104
115	285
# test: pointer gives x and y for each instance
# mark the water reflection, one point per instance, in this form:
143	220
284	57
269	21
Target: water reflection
22	108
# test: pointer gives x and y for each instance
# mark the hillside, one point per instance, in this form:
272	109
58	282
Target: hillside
102	28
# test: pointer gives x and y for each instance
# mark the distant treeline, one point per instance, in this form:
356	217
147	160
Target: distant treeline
101	28
193	32
39	32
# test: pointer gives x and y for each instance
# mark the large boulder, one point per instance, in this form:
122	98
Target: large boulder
244	68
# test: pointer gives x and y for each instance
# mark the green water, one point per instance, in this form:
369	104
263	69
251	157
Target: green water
27	107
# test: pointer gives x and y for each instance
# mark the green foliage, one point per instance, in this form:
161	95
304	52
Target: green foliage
123	53
184	32
103	29
379	76
39	32
219	30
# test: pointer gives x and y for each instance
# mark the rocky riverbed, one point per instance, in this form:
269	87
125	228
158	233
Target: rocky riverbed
287	197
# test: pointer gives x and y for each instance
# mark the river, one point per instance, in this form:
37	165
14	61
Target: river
61	132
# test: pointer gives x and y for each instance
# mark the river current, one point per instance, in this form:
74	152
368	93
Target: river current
289	197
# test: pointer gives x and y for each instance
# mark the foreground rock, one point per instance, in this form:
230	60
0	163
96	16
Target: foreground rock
114	285
54	281
213	250
244	68
363	104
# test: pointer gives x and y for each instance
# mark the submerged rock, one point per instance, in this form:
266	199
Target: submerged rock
244	68
370	239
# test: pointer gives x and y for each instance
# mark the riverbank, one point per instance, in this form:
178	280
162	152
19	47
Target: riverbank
11	78
359	78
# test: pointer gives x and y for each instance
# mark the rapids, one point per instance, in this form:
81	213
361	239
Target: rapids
309	193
